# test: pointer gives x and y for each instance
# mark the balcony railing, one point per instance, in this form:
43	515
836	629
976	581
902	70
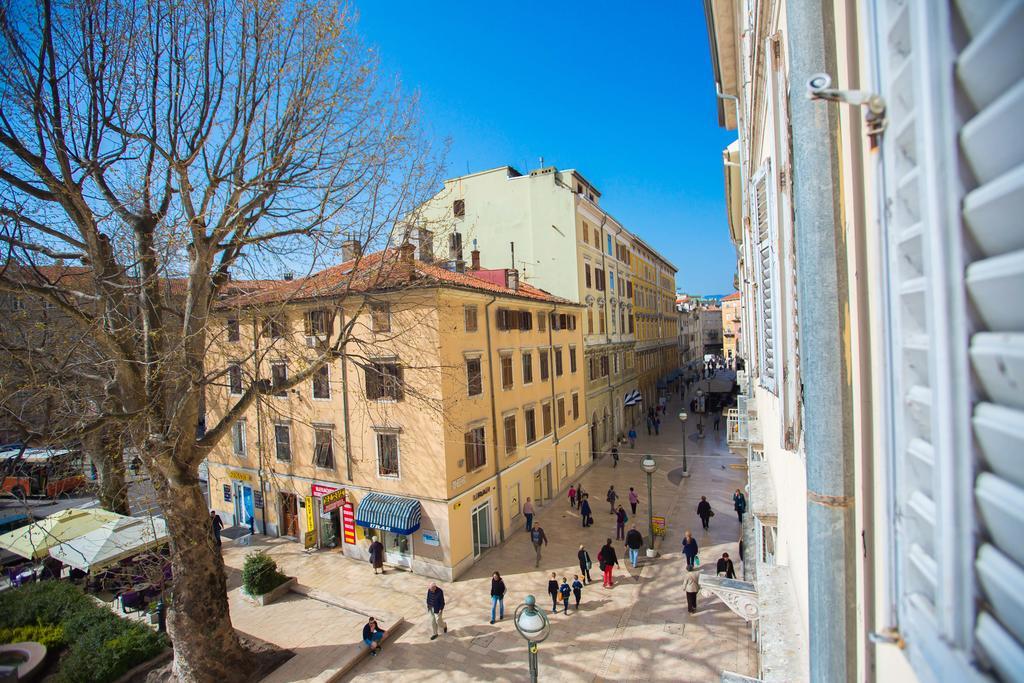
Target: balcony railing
742	427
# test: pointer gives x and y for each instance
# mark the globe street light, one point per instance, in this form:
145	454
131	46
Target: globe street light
533	626
682	418
649	466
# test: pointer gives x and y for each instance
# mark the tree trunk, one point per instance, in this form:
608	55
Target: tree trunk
206	647
107	452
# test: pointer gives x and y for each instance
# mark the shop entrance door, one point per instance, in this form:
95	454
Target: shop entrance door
397	549
538	487
515	505
481	529
548	491
289	515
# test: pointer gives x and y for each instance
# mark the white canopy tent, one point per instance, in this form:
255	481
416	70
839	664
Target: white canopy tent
112	543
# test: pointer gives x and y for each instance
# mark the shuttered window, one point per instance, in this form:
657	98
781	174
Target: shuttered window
763	216
953	161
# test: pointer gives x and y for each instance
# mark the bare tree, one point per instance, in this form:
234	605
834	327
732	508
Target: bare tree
162	145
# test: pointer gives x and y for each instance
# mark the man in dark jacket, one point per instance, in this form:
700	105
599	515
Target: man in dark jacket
584	557
609	560
585	509
216	524
724	567
538	538
435	606
372	635
704	511
634	541
739	504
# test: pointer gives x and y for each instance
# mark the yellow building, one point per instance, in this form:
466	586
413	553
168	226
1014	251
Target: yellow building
730	326
655	319
456	397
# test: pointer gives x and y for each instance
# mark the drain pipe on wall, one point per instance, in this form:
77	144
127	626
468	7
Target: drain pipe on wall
823	287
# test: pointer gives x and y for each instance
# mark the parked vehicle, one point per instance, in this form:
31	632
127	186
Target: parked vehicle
40	472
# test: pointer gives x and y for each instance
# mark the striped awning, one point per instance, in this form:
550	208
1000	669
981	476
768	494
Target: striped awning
389	513
633	398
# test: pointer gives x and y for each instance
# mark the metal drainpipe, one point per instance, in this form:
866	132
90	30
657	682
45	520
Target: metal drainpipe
494	417
551	382
344	400
259	426
823	288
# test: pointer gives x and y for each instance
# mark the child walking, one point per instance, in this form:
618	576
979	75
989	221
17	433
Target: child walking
577	590
565	590
553	592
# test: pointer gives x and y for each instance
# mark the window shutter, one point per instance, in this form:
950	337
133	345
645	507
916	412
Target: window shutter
372	382
763	216
953	159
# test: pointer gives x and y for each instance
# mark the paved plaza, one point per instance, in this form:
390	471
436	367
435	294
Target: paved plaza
639	629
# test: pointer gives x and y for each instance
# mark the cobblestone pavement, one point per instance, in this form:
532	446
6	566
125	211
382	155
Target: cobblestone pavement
639	629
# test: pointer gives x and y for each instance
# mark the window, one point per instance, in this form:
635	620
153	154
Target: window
234	330
631	323
476	451
283	442
586	275
593	368
279	375
586	234
510	434
599	279
384	382
590	321
506	372
604	366
763	216
629	289
455	246
615	363
544	365
601	319
572	359
272	327
323	449
609	238
474	377
380	317
238	438
545	416
459	208
611	281
470	315
541	322
322	382
387	454
527	367
558	361
560	404
530	418
506	319
235	378
575	406
318	323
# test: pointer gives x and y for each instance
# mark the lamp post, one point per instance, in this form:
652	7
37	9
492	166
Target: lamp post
649	466
533	626
682	419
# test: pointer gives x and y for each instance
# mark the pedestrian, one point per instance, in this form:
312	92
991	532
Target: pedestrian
572	496
585	510
634	541
528	513
650	424
724	567
657	426
372	635
689	549
579	494
577	590
377	555
615	456
739	504
611	497
620	523
585	563
691	585
216	524
497	595
632	437
553	592
565	591
633	499
704	511
538	538
608	560
693	405
718	419
435	609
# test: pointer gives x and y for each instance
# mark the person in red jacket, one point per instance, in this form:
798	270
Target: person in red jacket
608	561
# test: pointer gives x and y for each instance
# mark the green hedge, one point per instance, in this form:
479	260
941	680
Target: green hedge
260	574
48	635
104	646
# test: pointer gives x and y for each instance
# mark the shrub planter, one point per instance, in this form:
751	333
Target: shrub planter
274	594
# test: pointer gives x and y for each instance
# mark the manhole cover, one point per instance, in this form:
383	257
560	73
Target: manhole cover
482	641
674	629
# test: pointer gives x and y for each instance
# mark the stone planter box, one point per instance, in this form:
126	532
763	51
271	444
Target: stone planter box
273	595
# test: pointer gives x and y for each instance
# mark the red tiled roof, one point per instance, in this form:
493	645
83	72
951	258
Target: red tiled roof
731	297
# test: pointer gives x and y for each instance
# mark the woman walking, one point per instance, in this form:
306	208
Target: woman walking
497	595
739	504
572	495
704	511
585	563
377	555
633	499
553	592
620	524
579	494
608	560
577	590
689	549
691	585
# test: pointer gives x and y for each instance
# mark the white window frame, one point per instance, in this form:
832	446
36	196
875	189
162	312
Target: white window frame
238	436
379	432
312	384
330	431
241	377
766	273
277	449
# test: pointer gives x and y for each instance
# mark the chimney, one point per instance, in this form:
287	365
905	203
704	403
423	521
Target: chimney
289	276
407	252
426	245
460	266
512	278
475	259
351	250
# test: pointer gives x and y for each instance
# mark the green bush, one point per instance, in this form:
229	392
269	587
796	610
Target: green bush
260	574
45	602
46	634
107	650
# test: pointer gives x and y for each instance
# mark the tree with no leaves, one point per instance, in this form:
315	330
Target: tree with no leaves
159	145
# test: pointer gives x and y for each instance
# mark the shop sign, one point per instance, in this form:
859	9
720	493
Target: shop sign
321	490
310	517
310	539
227	493
257	500
481	493
348	521
459	483
659	525
333	500
431	538
240	476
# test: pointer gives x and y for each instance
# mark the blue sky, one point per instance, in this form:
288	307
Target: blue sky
623	92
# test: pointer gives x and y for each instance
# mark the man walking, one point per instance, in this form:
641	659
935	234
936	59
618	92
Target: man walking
620	524
538	538
611	497
216	524
632	438
634	541
739	504
585	510
718	419
615	456
585	563
608	560
528	513
724	567
633	499
435	606
704	511
572	496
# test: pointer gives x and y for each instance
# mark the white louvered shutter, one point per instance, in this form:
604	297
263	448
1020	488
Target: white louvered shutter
763	218
952	74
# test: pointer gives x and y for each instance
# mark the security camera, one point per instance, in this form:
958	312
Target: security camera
818	83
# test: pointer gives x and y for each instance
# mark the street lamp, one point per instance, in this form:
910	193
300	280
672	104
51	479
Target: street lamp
533	626
682	418
649	466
